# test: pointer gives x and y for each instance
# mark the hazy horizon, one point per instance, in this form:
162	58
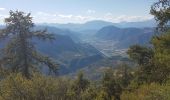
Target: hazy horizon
78	11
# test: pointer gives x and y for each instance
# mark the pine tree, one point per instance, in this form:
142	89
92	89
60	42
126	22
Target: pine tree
110	87
80	85
20	54
140	54
161	46
160	10
126	75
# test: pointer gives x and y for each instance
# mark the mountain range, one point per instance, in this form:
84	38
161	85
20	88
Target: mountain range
80	46
98	24
126	36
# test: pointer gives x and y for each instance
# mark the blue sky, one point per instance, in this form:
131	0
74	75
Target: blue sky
80	11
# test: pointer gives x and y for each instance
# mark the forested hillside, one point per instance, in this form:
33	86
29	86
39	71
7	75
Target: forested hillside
48	63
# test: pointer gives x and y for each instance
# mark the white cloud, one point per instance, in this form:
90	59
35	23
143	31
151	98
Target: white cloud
41	17
79	17
89	11
44	14
65	16
125	18
2	9
2	17
132	18
74	18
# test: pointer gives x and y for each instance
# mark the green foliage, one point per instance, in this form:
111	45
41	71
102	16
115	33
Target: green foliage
162	48
148	92
17	87
90	93
144	58
161	57
123	74
161	10
140	54
20	54
79	86
154	64
110	88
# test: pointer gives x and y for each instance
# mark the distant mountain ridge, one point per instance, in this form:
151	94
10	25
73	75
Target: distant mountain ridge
126	36
75	46
91	25
55	30
141	24
98	24
70	55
